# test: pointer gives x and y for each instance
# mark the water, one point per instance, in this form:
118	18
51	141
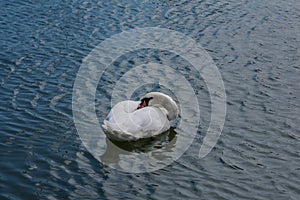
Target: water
255	46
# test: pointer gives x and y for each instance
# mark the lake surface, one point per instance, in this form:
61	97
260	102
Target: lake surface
254	44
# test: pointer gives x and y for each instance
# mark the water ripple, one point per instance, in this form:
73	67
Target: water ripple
256	47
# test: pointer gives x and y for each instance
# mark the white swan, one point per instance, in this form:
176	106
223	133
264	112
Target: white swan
132	120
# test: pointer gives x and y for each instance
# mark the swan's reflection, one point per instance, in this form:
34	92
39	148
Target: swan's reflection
142	154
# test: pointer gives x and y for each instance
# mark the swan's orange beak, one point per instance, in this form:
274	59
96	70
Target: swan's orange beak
142	104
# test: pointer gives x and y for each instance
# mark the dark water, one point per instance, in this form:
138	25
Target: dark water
255	45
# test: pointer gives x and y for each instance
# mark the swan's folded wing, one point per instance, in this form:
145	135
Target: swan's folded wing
127	125
150	121
113	132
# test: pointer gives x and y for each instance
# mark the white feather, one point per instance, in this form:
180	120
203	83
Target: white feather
126	123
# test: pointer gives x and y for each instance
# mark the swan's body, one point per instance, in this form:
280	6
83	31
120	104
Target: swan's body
132	120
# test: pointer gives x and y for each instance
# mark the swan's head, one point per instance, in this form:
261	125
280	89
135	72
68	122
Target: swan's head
162	101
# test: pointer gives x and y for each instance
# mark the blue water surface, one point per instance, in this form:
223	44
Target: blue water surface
255	45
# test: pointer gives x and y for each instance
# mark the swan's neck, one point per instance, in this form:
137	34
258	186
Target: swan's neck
163	109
